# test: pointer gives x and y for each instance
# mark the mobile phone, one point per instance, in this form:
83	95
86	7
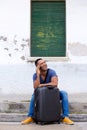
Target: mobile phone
40	68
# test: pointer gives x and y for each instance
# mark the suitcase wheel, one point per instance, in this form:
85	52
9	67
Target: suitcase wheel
36	122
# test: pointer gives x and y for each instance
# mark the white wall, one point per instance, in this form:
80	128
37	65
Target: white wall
18	78
15	19
76	21
16	73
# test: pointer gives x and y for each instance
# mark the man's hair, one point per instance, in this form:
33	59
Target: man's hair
36	61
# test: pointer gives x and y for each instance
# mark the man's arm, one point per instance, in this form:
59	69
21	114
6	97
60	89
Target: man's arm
54	82
36	83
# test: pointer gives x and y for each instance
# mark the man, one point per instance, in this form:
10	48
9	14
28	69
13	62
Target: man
51	80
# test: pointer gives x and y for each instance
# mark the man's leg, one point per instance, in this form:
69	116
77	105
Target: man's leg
31	108
65	108
30	112
65	104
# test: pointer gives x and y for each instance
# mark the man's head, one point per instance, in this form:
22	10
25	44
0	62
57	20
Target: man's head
36	61
41	63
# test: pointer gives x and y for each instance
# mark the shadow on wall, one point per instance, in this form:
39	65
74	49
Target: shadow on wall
77	49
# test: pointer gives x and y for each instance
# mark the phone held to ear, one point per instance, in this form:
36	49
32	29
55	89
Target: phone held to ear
41	68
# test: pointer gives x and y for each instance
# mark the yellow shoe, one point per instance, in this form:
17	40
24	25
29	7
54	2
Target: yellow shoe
27	121
66	120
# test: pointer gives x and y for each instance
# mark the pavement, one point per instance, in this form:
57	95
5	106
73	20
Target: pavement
33	126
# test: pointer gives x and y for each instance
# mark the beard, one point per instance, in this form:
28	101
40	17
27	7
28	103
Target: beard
43	69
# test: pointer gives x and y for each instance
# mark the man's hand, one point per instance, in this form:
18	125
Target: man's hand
40	85
38	70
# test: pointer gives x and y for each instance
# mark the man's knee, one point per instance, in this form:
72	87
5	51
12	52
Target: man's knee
63	94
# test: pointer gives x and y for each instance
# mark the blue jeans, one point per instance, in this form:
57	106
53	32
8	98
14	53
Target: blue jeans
64	100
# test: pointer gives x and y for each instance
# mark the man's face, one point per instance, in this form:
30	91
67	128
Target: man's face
42	64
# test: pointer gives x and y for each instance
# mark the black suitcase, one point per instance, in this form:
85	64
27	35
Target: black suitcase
47	107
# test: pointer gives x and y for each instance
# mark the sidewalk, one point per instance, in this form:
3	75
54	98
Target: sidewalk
18	126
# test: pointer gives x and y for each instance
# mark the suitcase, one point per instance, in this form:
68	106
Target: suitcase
47	107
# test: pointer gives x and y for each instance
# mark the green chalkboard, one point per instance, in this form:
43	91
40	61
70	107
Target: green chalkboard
48	31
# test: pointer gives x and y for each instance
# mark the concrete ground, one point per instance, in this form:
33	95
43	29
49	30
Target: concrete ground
18	126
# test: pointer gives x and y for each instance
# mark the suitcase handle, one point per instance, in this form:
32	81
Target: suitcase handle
51	87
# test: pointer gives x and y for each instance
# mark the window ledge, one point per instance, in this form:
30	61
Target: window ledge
58	59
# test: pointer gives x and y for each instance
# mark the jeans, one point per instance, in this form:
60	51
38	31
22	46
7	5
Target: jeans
64	101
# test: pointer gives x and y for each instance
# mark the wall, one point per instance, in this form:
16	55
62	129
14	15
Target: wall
18	78
16	73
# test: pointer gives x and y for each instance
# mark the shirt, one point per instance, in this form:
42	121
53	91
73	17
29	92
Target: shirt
51	73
